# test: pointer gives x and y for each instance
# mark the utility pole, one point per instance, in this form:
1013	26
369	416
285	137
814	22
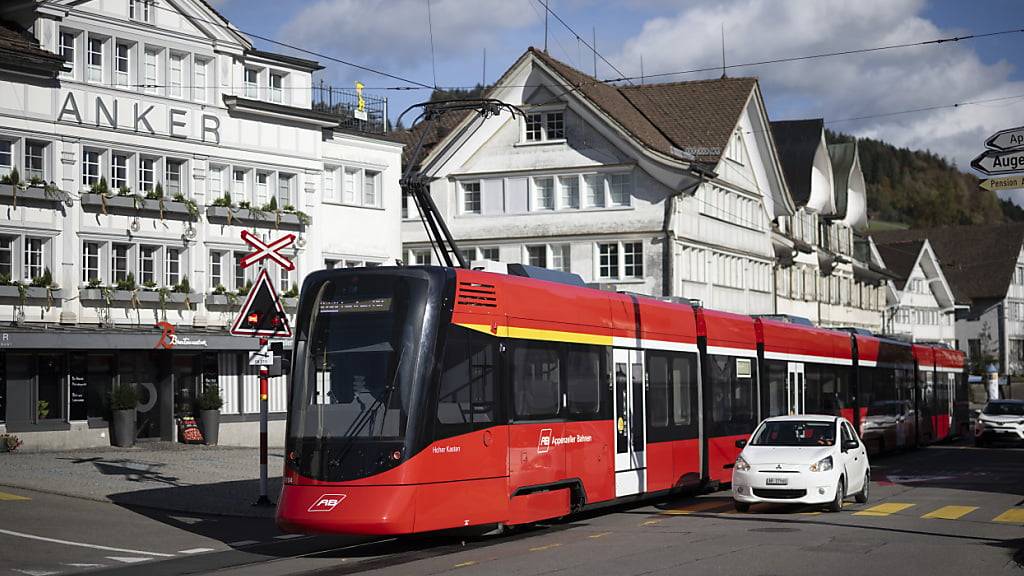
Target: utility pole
594	44
723	49
545	26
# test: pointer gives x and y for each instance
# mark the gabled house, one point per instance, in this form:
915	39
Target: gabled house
820	273
666	189
922	307
984	266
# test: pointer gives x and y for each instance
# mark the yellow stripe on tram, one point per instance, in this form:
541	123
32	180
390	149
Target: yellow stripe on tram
950	512
12	497
541	334
1012	516
884	509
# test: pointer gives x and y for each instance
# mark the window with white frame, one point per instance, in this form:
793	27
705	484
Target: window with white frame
172	266
199	78
421	257
35	159
569	192
284	190
91	262
331	264
620	260
216	268
67	51
262	185
91	162
33	254
331	185
559	257
141	10
735	149
620	189
284	280
608	260
252	86
371	188
632	259
215	182
95	59
350	186
543	193
537	256
6	157
122	64
120	262
544	126
147	173
276	86
239	181
489	254
470	197
147	264
7	257
174	174
239	271
593	185
176	75
152	70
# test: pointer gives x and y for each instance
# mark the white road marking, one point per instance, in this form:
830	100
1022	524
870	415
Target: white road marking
195	550
84	565
36	572
243	543
132	560
81	544
187	520
287	536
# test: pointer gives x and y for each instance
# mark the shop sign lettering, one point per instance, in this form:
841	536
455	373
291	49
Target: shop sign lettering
111	112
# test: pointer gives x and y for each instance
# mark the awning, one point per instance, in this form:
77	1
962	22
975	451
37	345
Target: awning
113	339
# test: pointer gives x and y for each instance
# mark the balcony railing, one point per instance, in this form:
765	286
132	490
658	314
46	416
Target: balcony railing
345	104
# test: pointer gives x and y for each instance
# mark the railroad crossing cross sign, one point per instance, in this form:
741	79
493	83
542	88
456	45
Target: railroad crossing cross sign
262	314
267	250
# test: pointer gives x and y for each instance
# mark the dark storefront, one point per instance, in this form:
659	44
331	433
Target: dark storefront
49	379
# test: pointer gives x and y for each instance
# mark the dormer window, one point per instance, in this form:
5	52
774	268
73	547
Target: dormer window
252	83
276	87
544	126
141	10
736	151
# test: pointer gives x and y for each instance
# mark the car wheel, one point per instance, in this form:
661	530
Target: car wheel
741	506
837	503
862	496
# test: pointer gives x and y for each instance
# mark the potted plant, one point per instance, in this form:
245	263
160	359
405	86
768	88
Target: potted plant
123	401
209	413
9	442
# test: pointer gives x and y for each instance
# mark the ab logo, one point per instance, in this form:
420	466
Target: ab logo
326	503
545	441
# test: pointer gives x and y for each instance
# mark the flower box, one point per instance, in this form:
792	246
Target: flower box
290	303
145	297
34	196
33	293
248	217
222	301
131	206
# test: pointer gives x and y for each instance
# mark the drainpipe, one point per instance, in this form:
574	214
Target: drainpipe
668	250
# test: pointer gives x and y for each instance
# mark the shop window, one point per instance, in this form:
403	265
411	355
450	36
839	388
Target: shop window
535	380
466	398
50	376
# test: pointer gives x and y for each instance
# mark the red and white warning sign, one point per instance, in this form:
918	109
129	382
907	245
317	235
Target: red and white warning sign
262	314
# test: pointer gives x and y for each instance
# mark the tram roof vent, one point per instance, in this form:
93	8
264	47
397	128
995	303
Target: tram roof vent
787	318
539	273
476	295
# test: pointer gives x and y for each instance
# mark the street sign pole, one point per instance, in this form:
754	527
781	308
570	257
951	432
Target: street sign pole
263	499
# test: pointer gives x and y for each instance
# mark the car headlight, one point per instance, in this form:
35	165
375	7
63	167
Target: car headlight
823	465
741	465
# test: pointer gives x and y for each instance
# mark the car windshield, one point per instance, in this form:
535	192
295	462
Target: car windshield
1005	409
795	433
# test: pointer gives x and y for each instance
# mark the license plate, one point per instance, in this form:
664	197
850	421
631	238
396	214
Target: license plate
772	481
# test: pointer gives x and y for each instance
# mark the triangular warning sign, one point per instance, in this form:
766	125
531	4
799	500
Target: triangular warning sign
262	314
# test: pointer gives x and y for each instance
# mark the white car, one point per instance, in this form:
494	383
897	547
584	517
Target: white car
805	459
1000	420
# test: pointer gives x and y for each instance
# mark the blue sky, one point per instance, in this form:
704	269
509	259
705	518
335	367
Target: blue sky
674	35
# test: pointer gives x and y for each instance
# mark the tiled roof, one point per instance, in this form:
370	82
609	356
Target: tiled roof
978	261
900	257
19	51
797	141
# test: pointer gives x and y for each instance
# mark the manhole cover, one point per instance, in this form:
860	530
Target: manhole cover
774	530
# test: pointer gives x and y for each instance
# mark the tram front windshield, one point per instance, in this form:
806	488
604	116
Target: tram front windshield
352	409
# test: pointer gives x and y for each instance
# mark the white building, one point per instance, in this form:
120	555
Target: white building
665	189
825	270
160	96
922	307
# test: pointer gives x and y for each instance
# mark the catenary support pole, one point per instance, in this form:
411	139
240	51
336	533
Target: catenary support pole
263	499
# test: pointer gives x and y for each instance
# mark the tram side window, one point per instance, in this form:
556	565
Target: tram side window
535	380
659	395
732	389
585	379
465	398
672	381
826	389
776	403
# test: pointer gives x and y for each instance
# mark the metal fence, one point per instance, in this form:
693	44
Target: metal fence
344	103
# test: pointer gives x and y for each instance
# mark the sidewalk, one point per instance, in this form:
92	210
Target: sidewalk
169	476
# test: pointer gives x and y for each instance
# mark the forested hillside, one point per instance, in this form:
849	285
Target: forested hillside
921	189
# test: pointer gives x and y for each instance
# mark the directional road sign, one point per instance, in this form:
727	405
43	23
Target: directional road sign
267	250
1005	183
996	163
262	314
1012	139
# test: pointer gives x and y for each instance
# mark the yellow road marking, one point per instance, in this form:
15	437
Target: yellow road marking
12	497
1013	516
884	509
601	535
706	506
950	512
810	513
545	547
649	522
464	564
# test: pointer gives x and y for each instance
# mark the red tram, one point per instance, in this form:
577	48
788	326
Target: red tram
428	398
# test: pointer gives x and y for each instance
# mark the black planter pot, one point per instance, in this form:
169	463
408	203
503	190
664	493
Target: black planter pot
209	420
123	433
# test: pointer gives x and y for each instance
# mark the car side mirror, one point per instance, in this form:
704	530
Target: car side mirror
850	445
741	444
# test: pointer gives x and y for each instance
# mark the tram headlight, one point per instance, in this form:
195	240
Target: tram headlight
823	465
741	465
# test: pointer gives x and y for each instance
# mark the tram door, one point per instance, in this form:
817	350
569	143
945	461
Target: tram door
630	437
796	388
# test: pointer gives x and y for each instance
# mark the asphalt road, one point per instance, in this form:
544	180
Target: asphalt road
942	510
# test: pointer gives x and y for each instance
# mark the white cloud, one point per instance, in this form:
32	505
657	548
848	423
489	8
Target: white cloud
844	86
